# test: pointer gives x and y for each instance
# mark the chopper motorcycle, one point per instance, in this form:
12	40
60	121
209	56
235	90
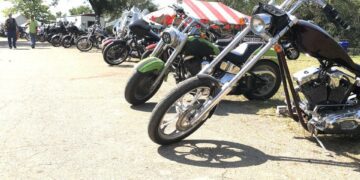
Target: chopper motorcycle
70	39
133	35
190	53
94	38
329	104
56	39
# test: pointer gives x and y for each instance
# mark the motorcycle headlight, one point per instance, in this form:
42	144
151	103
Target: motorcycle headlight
171	36
260	23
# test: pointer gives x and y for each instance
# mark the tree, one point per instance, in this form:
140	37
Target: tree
59	14
114	8
81	10
30	8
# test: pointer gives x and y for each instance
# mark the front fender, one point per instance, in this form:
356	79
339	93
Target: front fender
150	64
119	41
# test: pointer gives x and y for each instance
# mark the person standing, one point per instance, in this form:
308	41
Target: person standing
11	28
33	31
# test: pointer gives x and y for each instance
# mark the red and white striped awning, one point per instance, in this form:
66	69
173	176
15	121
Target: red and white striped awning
215	12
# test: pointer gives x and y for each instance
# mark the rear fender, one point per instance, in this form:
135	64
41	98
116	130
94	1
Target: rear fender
150	64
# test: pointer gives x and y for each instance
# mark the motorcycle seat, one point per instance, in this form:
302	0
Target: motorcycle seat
224	42
242	53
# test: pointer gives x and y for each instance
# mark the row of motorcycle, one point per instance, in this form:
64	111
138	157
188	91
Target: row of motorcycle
183	58
67	34
207	66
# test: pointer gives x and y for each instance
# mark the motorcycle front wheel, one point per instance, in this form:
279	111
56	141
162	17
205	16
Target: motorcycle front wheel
83	44
66	42
171	120
41	38
139	88
56	41
146	54
115	54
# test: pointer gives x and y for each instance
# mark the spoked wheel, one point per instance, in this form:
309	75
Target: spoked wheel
66	42
41	38
115	54
140	87
56	41
173	118
83	44
266	81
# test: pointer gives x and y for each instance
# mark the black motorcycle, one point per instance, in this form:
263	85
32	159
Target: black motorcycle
94	38
23	34
329	101
71	38
139	36
60	31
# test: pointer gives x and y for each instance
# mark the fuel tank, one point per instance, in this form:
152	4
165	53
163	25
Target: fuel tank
316	42
142	29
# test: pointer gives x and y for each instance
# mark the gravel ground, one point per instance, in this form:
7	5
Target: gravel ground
63	116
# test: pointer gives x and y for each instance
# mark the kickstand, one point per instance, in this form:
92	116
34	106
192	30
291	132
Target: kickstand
327	152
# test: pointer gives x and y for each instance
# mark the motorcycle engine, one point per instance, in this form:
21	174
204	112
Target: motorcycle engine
323	87
329	103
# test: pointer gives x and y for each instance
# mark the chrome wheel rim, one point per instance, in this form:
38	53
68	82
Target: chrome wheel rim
178	119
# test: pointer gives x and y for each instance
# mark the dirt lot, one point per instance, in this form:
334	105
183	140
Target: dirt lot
63	116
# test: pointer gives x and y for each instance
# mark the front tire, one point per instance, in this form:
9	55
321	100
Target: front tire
56	41
138	89
83	44
146	54
194	87
115	54
66	42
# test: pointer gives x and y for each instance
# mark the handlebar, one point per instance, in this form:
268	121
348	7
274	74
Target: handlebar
334	16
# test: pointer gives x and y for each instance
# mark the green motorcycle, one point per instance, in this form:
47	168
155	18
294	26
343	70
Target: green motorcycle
190	50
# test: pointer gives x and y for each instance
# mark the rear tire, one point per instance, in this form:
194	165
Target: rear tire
163	107
274	87
137	90
115	54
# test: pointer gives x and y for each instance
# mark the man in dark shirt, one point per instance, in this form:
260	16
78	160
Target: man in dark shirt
11	27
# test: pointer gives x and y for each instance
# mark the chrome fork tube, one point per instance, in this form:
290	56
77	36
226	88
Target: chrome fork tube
161	43
208	68
170	60
228	86
158	48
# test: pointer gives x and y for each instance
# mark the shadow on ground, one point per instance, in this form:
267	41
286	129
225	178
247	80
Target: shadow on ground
24	45
227	107
224	154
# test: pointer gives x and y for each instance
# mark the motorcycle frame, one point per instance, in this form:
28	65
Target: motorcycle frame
227	87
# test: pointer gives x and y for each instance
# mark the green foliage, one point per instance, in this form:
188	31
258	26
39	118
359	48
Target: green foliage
114	8
81	10
59	14
30	8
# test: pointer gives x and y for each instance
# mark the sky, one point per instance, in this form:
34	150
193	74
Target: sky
65	5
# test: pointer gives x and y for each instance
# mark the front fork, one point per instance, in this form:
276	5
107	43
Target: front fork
227	87
170	61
